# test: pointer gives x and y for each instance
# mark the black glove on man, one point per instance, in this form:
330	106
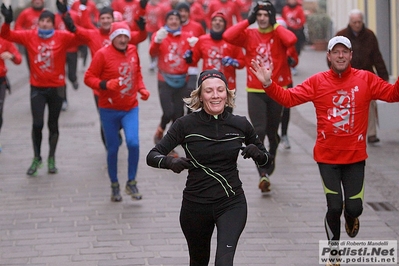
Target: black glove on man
176	164
69	23
7	13
188	56
61	6
272	13
141	23
251	151
252	16
291	61
143	3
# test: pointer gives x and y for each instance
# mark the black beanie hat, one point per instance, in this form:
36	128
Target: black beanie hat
106	10
47	14
183	5
211	73
172	13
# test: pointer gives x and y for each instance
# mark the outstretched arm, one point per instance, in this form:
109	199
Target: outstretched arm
262	73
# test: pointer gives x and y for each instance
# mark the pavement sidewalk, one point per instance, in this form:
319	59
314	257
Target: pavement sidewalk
68	219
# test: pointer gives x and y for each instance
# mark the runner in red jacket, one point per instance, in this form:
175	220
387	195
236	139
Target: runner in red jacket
341	97
154	21
169	44
89	6
29	17
47	56
96	38
115	73
195	30
8	51
131	10
294	16
197	12
268	43
218	54
229	7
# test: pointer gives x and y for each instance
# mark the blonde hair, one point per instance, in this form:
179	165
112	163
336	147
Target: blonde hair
195	104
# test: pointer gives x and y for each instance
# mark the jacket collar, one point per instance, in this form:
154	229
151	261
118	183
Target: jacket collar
344	74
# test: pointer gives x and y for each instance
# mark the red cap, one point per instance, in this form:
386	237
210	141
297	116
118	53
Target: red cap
119	28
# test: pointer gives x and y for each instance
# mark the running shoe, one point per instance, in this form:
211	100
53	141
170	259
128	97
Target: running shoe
51	165
294	71
373	139
115	192
285	142
132	190
36	164
351	231
264	184
153	66
75	85
64	106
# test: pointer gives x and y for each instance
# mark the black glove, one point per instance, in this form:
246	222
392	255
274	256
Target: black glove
69	23
291	61
188	56
143	3
83	2
177	164
272	14
141	23
61	6
252	16
251	151
7	13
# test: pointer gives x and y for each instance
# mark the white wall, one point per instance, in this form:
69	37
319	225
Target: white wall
339	12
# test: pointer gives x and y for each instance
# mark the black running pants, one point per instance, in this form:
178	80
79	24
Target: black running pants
198	222
342	183
39	98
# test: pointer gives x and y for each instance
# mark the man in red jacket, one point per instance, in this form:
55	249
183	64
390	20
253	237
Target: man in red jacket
341	97
131	10
115	73
268	43
367	57
28	19
169	44
47	56
229	7
96	38
195	30
8	51
218	54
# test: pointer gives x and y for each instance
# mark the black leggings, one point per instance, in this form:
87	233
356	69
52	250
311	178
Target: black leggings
285	118
72	65
171	101
265	115
39	97
198	222
350	179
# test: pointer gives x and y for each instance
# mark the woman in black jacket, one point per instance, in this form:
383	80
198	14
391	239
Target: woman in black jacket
212	139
